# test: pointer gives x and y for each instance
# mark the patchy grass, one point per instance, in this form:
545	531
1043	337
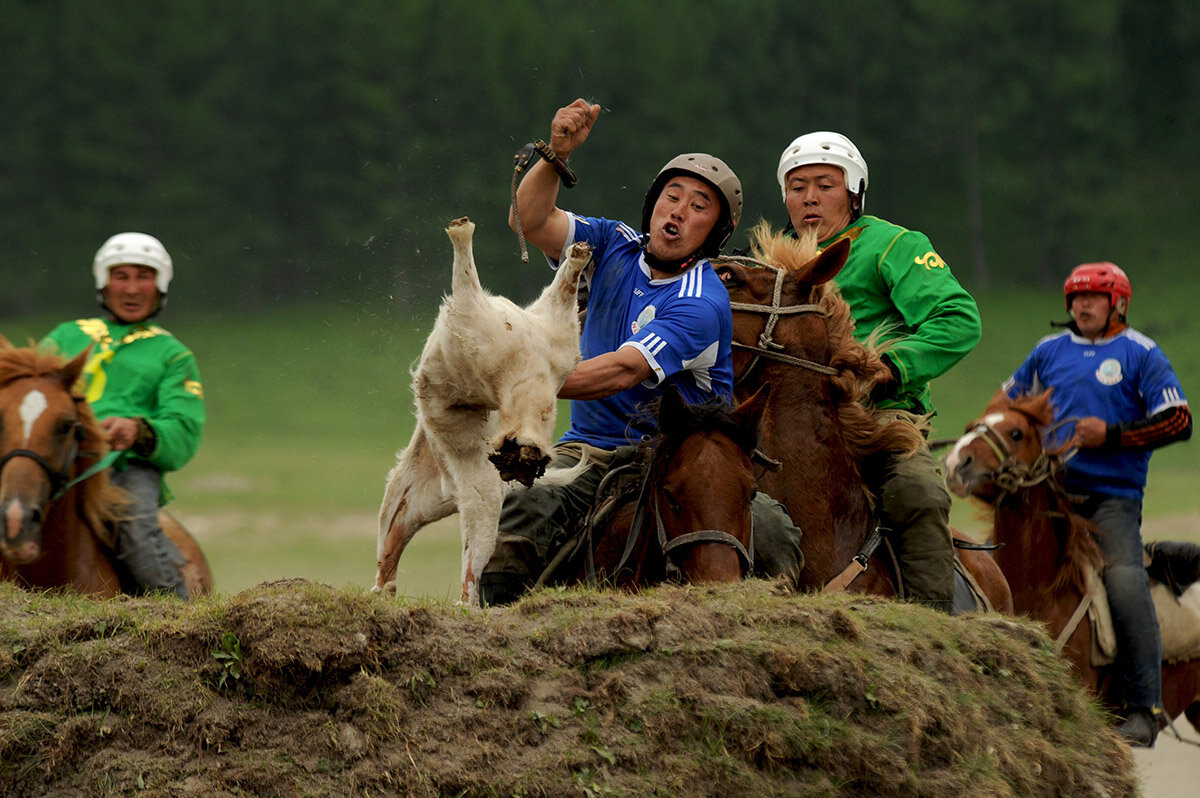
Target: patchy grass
699	691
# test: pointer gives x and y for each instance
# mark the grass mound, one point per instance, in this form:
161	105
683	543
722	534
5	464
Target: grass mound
296	688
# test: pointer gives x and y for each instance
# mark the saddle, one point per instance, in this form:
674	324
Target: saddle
1174	571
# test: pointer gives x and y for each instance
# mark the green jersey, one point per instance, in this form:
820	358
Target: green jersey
140	370
896	283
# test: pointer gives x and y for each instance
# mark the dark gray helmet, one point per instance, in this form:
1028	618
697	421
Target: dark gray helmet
716	173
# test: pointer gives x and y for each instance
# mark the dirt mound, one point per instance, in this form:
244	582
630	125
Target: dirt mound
296	688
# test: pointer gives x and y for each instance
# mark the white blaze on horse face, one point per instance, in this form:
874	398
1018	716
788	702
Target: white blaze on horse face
32	407
953	459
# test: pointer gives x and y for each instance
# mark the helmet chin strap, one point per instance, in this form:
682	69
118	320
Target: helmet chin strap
671	267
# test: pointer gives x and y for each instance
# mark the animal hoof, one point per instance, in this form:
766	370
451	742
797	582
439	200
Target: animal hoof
519	463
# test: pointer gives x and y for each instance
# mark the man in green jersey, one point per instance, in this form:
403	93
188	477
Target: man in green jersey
898	286
144	386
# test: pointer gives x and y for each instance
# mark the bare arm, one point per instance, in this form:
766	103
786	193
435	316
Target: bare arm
542	221
604	375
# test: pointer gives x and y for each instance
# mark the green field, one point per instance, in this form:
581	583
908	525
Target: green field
308	407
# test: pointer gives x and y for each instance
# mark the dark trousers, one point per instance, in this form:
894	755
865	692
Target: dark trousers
1139	647
536	523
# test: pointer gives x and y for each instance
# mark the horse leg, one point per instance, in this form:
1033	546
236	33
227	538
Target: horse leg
1181	690
196	574
415	496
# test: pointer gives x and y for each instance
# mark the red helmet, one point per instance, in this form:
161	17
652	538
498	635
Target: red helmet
1101	278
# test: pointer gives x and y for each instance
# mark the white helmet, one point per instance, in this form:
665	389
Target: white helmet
135	248
826	147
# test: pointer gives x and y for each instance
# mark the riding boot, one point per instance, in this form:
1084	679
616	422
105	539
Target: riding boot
1140	728
498	588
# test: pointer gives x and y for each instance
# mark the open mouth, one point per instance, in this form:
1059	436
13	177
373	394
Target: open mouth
671	229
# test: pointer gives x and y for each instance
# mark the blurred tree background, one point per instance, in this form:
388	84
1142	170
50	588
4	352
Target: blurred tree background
315	149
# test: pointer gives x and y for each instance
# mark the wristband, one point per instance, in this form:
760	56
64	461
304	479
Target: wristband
540	148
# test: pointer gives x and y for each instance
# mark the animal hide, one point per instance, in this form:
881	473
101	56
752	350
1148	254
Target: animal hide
485	389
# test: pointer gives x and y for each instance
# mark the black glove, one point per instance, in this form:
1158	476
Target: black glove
886	390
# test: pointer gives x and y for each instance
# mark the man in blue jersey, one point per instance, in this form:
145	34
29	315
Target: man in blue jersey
657	314
1126	397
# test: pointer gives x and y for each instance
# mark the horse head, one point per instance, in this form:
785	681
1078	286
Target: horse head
44	427
1003	450
703	480
784	280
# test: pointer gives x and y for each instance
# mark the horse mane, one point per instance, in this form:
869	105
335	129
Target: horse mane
100	501
713	415
865	429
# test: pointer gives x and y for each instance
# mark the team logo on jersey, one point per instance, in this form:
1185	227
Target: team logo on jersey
1109	372
644	318
930	260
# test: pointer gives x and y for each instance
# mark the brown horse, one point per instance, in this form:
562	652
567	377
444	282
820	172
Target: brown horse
686	513
793	330
57	506
1049	553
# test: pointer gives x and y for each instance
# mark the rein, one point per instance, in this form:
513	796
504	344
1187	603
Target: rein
767	346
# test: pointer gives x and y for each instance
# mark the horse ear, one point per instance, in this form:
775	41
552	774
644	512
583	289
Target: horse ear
70	372
750	412
1042	407
729	272
999	401
670	407
828	262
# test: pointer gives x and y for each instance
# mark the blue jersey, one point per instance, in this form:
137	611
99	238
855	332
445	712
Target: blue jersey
1119	379
682	326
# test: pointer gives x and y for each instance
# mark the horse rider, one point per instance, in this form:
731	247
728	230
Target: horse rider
1125	400
656	314
899	291
144	386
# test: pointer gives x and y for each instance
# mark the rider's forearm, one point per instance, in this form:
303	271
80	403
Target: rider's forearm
1167	426
605	375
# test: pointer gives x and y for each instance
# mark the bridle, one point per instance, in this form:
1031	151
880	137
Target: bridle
672	548
767	346
60	478
1011	474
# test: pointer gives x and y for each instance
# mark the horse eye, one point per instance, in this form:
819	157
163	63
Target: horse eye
64	426
1016	434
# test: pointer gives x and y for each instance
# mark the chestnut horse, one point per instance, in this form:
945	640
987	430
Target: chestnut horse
685	512
793	330
1049	553
57	506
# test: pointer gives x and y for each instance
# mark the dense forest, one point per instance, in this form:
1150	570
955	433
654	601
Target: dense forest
315	149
